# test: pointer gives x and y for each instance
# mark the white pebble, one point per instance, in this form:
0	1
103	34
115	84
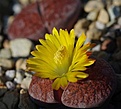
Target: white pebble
17	8
10	85
10	74
26	82
19	76
100	25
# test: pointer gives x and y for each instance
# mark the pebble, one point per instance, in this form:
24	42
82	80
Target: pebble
119	21
21	64
26	83
6	63
109	24
10	74
28	74
25	102
93	5
5	53
10	20
10	85
1	71
81	26
24	2
2	105
17	8
111	12
92	15
3	90
19	76
6	44
117	2
1	39
20	47
100	25
94	34
96	48
92	25
103	16
82	23
11	99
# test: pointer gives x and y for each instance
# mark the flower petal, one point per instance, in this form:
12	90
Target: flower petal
56	84
64	81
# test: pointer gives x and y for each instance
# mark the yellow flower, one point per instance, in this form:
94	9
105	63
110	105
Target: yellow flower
60	58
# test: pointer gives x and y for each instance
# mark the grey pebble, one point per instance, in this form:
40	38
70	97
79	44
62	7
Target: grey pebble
10	74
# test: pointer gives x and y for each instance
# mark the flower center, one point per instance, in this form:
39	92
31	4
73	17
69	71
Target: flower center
60	55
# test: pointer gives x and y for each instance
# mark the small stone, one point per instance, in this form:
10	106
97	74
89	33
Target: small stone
3	89
114	12
93	5
119	21
2	80
20	47
96	48
6	44
10	74
19	76
10	20
92	25
109	45
6	63
103	16
1	39
10	85
26	83
11	99
109	24
3	106
24	2
28	74
17	8
25	101
82	23
100	25
117	2
92	15
81	26
1	71
94	34
21	64
5	53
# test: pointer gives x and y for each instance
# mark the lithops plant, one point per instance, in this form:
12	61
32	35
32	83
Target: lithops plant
66	74
40	17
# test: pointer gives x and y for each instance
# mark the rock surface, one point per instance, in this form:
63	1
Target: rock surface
25	102
11	99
